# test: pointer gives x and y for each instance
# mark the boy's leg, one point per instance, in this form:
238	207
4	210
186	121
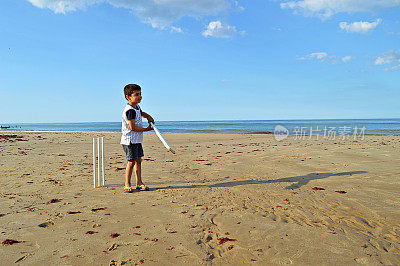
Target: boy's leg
138	171
128	173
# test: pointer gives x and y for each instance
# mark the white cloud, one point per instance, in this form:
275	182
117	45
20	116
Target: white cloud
160	14
327	8
393	68
320	56
390	58
238	7
347	58
63	6
323	57
176	29
360	26
219	30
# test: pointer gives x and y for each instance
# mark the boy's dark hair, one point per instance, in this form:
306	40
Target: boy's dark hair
130	88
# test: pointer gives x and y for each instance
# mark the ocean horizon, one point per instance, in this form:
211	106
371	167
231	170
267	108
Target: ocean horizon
387	126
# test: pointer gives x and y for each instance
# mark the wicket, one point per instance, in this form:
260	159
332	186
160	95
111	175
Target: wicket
98	146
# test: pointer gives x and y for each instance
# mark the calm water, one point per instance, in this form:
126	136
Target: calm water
372	126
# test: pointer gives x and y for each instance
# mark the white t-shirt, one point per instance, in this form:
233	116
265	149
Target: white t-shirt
129	136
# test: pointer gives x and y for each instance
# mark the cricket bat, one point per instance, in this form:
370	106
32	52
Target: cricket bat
162	138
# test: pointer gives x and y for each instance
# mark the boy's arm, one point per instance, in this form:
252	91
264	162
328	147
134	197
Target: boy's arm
135	128
148	117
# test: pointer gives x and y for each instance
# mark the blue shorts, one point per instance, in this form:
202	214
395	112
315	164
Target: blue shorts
133	151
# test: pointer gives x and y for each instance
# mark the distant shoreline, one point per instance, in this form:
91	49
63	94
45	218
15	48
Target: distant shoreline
4	132
290	127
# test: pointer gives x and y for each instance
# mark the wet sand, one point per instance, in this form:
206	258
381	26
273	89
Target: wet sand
221	199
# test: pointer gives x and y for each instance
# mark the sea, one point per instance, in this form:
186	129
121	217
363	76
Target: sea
306	127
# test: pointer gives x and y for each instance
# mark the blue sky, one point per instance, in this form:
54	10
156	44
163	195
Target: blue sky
68	61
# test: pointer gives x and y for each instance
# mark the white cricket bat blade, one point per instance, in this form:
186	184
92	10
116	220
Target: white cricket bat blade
166	145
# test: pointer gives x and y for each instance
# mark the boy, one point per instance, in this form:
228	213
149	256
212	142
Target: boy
132	136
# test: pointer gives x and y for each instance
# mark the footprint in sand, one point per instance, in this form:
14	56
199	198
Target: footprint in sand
46	224
282	261
364	260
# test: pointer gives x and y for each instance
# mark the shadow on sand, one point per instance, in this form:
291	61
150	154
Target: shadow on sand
298	181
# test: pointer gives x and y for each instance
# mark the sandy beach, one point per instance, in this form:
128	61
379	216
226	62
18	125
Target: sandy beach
221	199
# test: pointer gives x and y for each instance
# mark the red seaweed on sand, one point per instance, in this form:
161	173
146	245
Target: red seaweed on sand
98	209
222	240
9	242
53	201
73	212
